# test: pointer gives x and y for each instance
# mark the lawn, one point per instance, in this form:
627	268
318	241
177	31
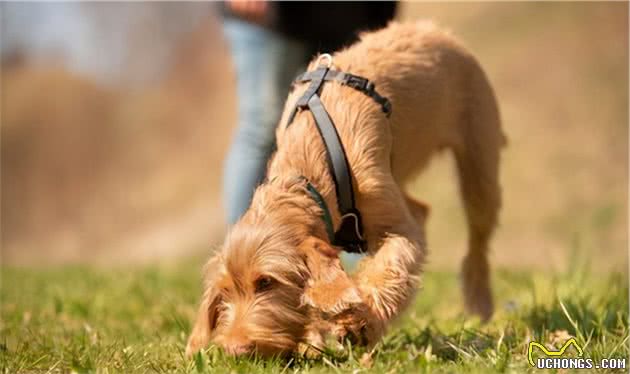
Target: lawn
136	319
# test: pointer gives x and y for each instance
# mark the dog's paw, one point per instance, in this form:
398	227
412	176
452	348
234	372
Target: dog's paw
479	301
476	289
350	325
331	333
319	338
358	325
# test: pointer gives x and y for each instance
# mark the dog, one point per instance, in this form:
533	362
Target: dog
277	282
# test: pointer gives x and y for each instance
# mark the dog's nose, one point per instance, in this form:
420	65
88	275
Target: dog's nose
239	349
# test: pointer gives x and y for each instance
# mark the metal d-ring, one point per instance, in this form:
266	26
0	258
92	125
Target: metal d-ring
356	223
325	56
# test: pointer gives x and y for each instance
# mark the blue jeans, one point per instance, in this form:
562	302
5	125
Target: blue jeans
265	63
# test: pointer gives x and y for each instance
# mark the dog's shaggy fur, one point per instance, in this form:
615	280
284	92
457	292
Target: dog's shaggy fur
278	282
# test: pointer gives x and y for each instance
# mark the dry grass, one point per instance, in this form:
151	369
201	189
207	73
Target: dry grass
116	174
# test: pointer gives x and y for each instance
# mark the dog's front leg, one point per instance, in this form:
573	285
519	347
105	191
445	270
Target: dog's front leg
387	280
359	309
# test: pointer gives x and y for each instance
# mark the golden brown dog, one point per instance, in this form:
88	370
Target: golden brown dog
277	281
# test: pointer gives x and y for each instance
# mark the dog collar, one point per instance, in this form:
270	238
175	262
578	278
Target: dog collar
350	232
326	217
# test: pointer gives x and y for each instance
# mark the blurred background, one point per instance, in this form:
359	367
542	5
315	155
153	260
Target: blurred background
116	118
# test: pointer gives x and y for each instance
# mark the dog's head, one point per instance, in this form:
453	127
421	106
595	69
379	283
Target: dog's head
262	287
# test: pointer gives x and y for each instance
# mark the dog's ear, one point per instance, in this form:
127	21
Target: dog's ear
208	313
329	288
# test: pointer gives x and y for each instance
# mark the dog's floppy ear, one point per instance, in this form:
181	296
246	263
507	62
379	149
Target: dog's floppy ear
208	309
329	288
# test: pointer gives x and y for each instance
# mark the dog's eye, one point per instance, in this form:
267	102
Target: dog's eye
263	284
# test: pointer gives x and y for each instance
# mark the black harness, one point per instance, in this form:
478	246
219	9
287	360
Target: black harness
350	232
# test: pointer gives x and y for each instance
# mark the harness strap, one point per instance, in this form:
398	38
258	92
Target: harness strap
326	217
336	155
358	83
317	79
350	232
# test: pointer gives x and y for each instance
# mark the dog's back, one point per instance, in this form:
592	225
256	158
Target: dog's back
436	87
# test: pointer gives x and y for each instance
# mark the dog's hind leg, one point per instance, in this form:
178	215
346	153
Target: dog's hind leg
478	166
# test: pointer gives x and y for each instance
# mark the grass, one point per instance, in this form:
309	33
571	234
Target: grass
85	319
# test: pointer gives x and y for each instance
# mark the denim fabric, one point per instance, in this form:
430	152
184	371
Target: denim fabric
265	63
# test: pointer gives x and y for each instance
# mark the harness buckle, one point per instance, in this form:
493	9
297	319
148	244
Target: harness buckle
356	82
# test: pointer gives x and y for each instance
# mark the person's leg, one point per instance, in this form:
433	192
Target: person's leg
265	63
